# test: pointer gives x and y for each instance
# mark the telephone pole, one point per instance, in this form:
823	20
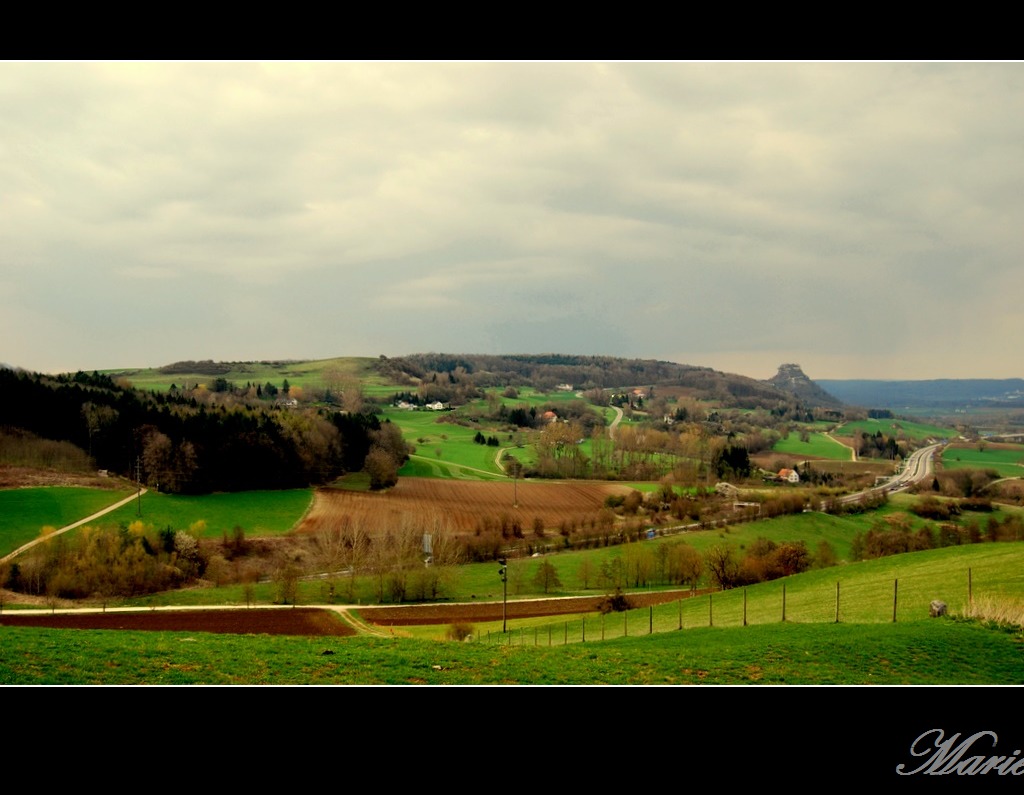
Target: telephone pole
138	483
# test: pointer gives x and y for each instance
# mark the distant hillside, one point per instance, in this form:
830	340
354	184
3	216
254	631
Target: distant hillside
547	370
790	378
937	393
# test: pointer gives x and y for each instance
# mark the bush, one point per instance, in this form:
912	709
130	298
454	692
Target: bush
460	630
615	602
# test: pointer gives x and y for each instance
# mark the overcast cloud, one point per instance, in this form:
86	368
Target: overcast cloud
864	220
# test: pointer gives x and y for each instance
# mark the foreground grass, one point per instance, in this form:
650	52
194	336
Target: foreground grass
927	652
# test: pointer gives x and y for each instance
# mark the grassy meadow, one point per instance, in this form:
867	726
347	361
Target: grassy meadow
901	428
1007	460
258	513
304	374
445	449
25	512
818	445
923	652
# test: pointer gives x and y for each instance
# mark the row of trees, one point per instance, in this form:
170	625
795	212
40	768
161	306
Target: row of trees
896	533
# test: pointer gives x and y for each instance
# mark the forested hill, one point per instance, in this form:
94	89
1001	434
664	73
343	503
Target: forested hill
937	393
181	445
548	370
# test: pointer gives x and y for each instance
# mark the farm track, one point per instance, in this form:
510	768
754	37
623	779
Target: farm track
73	525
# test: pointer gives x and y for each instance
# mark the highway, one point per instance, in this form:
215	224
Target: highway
916	468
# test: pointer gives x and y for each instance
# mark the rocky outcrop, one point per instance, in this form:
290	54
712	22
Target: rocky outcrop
790	378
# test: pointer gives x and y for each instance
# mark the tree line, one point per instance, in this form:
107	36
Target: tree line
175	444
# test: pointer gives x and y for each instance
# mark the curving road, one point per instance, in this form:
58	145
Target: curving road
916	468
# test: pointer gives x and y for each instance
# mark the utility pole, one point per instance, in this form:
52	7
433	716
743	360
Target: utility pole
503	573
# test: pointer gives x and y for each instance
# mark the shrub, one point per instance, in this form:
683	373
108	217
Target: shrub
460	630
615	602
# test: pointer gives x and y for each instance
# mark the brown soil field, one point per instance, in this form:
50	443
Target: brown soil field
409	615
462	504
318	621
299	621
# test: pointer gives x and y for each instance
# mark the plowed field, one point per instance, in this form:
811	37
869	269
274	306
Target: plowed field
463	505
411	615
316	621
297	621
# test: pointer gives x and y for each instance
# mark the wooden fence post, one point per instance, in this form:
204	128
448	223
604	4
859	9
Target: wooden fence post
650	620
711	617
680	613
744	607
970	591
895	588
584	629
783	602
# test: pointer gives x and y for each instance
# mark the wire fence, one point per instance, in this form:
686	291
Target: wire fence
858	600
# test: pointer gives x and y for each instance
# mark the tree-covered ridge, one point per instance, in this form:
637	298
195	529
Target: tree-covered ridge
177	443
549	370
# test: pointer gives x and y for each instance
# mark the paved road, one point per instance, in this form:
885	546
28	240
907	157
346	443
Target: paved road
917	467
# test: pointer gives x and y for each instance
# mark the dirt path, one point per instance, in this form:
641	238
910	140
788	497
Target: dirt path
853	453
73	525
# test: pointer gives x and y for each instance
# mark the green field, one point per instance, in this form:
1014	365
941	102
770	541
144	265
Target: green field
477	581
444	449
1009	462
923	652
818	445
882	635
448	450
305	374
901	428
25	512
258	513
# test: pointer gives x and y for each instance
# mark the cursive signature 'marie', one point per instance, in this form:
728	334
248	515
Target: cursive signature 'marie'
955	756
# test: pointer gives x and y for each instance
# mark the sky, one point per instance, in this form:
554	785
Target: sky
860	219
